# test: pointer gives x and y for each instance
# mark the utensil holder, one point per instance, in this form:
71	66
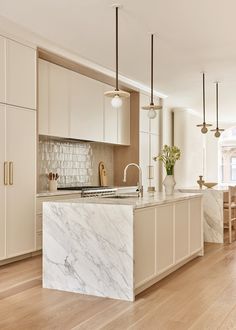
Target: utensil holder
52	185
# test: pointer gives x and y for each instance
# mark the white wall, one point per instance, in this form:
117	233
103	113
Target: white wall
199	153
191	143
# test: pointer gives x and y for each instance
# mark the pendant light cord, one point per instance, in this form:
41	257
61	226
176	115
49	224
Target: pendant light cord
217	104
204	102
117	49
152	103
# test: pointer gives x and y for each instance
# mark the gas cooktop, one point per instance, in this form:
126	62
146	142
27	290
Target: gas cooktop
92	191
83	188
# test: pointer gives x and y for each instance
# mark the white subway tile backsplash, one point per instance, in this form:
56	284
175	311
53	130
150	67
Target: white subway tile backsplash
75	162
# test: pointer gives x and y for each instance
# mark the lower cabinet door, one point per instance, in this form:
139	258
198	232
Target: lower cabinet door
20	200
144	245
181	230
164	237
195	225
2	186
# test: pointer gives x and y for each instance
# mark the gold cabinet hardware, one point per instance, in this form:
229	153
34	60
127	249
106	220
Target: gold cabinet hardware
6	173
11	173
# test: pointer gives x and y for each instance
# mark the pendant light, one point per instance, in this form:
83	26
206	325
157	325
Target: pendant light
217	130
204	126
152	107
117	94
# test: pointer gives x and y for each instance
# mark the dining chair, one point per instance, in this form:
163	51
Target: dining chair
230	208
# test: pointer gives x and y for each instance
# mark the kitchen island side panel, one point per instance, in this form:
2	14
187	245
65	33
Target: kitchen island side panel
88	248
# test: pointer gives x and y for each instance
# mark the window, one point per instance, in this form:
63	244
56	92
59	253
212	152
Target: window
233	168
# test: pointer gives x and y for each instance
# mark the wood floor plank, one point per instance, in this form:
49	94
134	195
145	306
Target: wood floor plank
200	295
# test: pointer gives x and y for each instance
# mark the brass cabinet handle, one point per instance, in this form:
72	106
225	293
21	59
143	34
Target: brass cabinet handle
6	173
11	173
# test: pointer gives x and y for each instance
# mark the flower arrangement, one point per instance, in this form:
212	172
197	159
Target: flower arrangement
168	156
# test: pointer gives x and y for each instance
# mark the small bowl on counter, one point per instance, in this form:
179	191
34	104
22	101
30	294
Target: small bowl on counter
210	185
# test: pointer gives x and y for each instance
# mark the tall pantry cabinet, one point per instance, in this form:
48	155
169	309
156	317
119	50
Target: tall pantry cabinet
17	148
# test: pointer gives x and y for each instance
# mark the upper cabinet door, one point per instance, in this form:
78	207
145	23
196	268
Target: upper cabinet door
58	92
86	108
124	122
2	70
110	119
20	75
43	97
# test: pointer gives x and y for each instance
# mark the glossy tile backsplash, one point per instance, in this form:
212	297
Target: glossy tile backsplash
75	162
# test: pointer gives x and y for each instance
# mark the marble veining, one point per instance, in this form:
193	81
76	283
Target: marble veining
213	213
86	251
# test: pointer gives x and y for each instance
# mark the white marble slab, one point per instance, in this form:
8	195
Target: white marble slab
213	212
88	248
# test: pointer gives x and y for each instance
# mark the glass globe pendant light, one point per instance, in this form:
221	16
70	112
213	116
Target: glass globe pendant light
217	130
117	94
152	107
204	126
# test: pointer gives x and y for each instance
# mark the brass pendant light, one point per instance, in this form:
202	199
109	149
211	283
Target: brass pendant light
152	107
204	126
117	94
217	130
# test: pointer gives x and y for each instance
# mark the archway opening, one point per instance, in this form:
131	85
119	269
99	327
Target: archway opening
227	157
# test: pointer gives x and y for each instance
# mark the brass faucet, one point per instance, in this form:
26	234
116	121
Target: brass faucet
139	184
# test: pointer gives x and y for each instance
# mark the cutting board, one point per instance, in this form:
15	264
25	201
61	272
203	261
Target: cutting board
103	175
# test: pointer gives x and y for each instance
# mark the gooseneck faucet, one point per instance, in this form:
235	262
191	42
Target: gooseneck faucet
139	184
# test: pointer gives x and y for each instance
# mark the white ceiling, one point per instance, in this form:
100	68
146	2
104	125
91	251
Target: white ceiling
192	36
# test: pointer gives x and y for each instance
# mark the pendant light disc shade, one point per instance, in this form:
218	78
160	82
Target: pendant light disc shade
117	93
204	125
152	107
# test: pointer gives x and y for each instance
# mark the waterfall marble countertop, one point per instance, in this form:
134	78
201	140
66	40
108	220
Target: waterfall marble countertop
147	200
88	243
213	211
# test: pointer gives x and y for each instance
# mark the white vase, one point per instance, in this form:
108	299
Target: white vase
169	184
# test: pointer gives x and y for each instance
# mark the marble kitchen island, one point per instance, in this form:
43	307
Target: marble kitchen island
117	247
213	211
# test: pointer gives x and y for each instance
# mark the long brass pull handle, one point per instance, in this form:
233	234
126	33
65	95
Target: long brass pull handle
11	173
5	173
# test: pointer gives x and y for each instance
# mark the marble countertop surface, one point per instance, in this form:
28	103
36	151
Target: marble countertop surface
198	190
137	202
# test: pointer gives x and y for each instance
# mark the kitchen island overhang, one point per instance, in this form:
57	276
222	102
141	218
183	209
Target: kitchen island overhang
109	247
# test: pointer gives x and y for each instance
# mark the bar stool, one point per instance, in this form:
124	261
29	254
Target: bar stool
230	207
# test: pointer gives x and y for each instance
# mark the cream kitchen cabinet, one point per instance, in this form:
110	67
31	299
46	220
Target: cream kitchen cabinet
148	142
58	101
110	119
144	242
53	100
165	236
2	70
17	74
43	97
86	107
20	75
72	105
18	181
124	122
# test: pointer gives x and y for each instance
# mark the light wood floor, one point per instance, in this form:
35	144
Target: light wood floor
200	295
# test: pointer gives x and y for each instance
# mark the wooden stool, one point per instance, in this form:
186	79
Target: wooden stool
230	207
